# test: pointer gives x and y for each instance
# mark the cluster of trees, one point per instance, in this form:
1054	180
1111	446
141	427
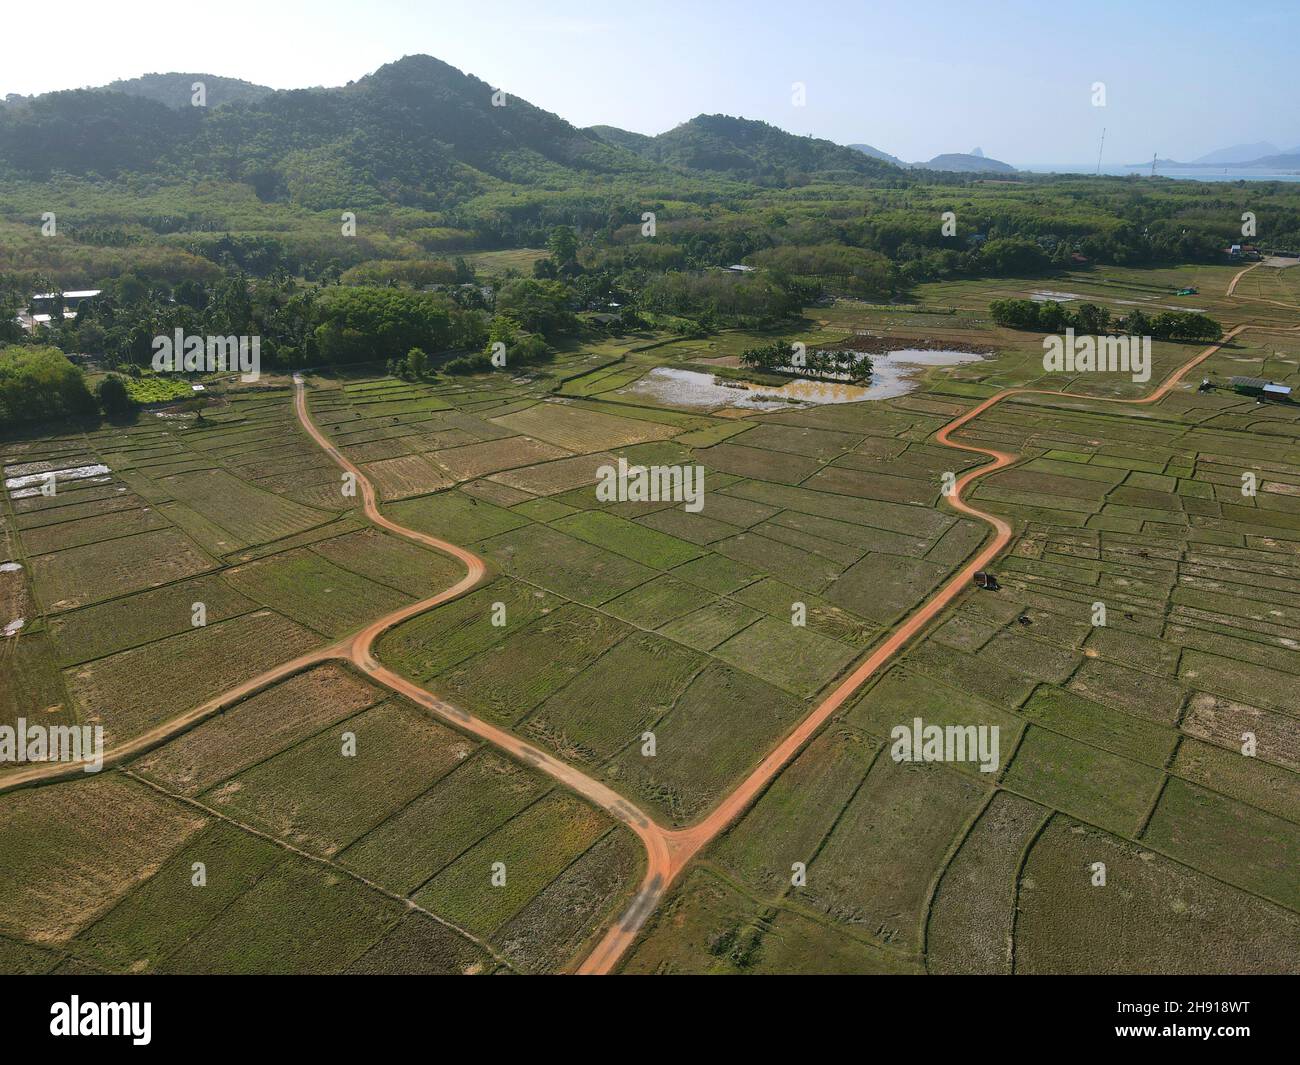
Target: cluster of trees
508	340
299	324
781	357
715	297
417	273
362	324
40	384
853	271
1049	317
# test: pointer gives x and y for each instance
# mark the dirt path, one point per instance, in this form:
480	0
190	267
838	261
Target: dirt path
359	650
683	844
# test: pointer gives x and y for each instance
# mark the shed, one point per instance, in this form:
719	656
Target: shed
1258	386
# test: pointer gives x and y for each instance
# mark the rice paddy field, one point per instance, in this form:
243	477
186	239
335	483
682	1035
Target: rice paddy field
664	650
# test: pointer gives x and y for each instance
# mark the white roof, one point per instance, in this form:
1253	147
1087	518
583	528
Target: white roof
79	294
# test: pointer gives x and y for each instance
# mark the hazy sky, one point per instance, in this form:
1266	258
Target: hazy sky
912	77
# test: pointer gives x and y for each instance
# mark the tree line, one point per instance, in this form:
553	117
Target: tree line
1050	317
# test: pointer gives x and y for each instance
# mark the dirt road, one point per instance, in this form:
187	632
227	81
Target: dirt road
683	844
359	650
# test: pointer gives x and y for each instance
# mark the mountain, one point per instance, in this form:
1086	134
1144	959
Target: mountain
956	162
176	90
1283	161
416	131
748	150
1238	153
622	138
876	153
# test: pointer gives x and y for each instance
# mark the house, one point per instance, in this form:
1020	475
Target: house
71	300
740	268
1258	386
43	304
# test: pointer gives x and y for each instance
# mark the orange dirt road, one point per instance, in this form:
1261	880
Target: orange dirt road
359	650
683	844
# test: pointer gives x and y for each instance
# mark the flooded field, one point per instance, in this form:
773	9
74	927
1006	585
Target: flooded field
893	374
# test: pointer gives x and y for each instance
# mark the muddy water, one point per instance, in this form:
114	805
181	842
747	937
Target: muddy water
893	374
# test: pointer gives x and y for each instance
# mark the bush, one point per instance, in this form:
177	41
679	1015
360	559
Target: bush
467	364
114	399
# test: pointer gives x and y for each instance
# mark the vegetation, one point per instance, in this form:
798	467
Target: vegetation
1049	316
39	384
781	357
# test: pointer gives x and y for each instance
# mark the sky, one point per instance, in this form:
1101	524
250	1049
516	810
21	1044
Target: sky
912	77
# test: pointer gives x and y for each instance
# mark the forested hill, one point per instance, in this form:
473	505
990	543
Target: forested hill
747	150
416	131
177	89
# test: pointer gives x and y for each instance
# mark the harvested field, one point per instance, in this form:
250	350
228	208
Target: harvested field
705	742
1101	788
95	572
492	456
250	514
534	848
410	475
510	678
96	631
581	723
1153	916
318	797
70	851
578	571
302	585
561	475
257	729
133	690
972	917
906	816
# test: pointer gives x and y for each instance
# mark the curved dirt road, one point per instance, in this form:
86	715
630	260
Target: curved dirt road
683	844
359	650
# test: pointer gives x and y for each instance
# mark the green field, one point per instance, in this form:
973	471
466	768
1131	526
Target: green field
602	624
